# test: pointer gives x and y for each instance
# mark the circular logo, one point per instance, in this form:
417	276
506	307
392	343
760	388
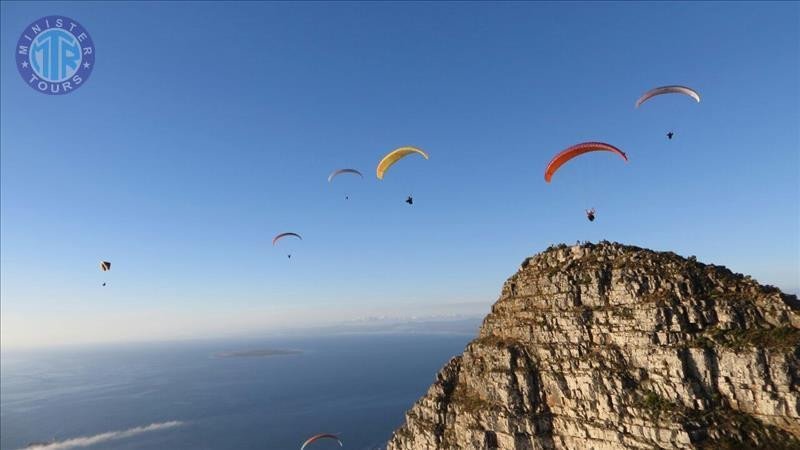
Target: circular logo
55	55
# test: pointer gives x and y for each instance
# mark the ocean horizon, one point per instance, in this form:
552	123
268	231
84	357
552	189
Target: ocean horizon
268	393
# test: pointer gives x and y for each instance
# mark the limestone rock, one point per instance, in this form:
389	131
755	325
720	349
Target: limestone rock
610	346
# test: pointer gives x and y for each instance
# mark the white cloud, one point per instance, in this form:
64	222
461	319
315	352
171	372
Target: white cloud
87	441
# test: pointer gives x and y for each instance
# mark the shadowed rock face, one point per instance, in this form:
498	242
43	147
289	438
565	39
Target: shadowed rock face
609	347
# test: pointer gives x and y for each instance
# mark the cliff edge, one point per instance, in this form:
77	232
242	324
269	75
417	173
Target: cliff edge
608	346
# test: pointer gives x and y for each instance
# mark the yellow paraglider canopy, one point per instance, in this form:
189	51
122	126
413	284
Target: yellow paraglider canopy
394	156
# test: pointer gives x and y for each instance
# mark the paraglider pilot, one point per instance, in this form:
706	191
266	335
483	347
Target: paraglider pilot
283	235
410	200
590	214
669	135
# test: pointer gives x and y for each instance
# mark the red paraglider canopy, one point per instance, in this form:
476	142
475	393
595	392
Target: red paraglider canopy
577	150
321	436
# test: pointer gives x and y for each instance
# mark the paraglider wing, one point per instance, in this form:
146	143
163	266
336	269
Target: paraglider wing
105	266
668	90
577	150
336	173
394	156
283	235
321	436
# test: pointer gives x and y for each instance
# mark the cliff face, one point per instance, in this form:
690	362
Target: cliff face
609	347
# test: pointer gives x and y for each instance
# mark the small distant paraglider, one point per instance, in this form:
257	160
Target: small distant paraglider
410	200
661	90
590	214
338	172
105	266
673	89
281	236
321	436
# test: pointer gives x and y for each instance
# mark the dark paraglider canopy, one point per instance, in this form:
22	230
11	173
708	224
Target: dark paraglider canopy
669	135
105	266
410	200
284	235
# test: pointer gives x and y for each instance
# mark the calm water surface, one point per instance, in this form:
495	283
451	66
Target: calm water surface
356	385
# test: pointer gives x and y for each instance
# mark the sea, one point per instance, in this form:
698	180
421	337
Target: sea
265	393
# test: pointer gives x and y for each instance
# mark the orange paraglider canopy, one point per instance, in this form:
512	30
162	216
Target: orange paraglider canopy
577	150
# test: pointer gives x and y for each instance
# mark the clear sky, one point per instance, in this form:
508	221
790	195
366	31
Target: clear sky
207	128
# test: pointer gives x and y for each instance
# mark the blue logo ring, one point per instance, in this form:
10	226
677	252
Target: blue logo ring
55	55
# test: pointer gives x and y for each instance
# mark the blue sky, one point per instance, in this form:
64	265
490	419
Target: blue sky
207	128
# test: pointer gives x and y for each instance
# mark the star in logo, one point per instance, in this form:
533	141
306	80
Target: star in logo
24	64
86	65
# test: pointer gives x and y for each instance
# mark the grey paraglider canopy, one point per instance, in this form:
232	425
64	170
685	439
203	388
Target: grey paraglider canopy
674	89
338	172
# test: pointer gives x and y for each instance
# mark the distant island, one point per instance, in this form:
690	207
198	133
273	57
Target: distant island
260	353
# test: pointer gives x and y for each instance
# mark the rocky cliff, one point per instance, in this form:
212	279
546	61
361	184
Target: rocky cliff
610	346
